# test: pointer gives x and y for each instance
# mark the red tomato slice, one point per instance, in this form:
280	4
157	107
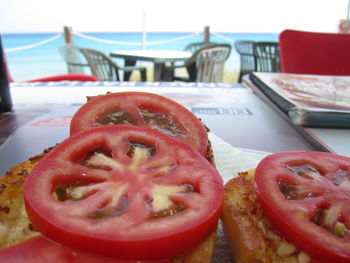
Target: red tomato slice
142	109
125	191
306	196
41	250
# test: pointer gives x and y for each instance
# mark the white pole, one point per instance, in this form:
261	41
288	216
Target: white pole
346	26
347	17
144	33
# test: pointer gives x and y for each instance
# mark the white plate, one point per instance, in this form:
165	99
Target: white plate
230	160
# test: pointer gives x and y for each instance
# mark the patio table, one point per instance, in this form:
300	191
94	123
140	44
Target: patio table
158	57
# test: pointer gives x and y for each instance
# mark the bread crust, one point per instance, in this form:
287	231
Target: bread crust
251	237
15	226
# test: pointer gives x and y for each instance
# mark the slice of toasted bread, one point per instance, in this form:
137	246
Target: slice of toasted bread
251	237
14	223
15	226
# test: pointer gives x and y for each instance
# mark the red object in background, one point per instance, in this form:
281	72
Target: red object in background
68	77
314	53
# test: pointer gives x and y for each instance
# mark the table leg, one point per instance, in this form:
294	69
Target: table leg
161	73
158	71
128	63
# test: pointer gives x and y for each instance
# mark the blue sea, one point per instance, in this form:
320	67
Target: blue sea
44	60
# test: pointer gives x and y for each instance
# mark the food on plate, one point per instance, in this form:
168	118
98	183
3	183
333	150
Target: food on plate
15	228
295	207
164	196
142	109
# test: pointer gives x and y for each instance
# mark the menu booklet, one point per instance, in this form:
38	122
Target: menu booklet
308	100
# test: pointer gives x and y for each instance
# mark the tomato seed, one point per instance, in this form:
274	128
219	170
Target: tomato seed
306	171
66	192
108	211
170	211
161	122
100	150
115	117
133	146
338	177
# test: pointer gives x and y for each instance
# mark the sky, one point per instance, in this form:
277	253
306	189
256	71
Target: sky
26	16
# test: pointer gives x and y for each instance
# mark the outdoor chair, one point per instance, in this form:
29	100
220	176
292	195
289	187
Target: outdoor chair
314	53
105	68
206	64
71	54
267	57
193	47
245	49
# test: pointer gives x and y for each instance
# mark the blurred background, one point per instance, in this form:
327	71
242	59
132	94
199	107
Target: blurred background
33	30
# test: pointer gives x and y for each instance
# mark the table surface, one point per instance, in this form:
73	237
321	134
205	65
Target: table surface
42	113
157	56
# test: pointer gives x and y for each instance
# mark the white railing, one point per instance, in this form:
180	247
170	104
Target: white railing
33	45
135	43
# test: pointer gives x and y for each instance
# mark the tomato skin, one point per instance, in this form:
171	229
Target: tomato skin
42	250
293	216
161	238
195	133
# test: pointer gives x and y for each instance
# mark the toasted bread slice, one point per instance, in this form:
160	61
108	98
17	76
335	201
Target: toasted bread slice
15	226
14	223
251	237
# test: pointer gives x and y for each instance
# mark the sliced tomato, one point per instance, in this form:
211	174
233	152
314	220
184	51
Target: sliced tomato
142	109
42	250
125	191
306	196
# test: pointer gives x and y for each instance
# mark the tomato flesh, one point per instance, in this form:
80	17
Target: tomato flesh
41	250
142	109
125	191
306	196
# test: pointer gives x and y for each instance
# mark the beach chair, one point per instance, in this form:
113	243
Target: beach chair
245	49
75	60
206	64
314	53
105	68
267	57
